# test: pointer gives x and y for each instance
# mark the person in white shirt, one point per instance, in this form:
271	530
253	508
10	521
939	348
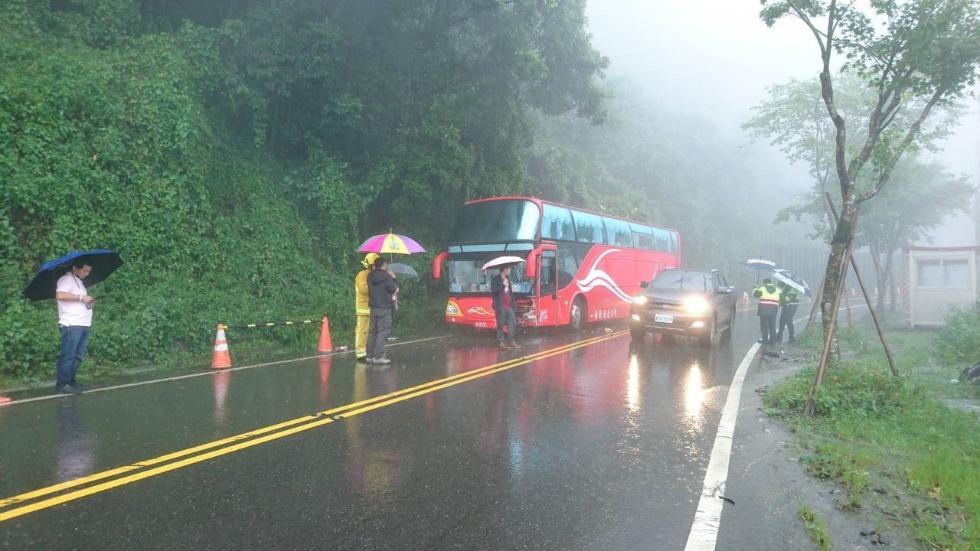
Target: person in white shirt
74	321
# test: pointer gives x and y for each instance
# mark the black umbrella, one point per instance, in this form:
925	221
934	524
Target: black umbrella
43	284
403	270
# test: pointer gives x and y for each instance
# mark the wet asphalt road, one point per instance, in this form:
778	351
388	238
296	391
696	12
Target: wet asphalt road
600	447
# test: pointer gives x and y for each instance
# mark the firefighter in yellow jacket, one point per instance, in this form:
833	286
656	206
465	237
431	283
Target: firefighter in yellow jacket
363	309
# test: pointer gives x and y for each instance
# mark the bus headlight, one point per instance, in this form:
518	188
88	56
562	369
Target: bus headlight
640	300
695	305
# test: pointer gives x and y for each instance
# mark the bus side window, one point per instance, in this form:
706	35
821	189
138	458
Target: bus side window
557	223
618	232
567	266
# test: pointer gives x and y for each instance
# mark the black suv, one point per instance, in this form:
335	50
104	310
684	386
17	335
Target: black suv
684	302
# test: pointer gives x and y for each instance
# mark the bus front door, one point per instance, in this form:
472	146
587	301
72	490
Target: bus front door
547	311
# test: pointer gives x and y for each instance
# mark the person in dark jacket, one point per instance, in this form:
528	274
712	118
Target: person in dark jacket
504	308
789	301
381	287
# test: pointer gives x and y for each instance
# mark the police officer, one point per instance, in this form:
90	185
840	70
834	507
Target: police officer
362	307
768	296
789	301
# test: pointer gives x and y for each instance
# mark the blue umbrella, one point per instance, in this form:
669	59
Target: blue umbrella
43	284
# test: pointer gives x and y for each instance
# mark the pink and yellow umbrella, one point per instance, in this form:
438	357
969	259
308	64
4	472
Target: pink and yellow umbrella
390	243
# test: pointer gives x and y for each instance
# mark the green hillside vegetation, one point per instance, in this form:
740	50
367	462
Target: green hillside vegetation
235	153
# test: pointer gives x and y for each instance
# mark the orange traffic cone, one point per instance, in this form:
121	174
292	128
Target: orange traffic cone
325	344
221	359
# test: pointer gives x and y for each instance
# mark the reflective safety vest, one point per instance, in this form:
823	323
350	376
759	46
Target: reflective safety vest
361	303
790	298
766	296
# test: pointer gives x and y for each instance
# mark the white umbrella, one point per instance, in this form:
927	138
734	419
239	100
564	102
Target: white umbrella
788	278
502	261
760	264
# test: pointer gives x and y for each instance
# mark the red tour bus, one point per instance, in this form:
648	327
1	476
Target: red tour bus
580	266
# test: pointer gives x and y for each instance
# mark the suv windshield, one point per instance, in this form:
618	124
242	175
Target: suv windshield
681	280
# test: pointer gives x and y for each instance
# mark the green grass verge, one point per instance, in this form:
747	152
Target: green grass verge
816	527
891	442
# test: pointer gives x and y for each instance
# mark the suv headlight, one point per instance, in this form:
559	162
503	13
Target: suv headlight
640	300
695	304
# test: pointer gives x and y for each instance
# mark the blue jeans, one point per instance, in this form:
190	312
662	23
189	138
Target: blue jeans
74	341
508	318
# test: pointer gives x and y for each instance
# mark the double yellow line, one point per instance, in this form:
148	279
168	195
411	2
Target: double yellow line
179	459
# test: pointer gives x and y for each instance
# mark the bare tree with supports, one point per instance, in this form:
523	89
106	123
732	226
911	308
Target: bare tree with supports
919	55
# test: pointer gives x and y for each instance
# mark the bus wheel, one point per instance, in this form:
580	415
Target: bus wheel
577	315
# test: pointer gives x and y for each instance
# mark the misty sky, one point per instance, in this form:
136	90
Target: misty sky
714	59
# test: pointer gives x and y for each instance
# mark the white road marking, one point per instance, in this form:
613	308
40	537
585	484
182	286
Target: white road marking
707	520
204	373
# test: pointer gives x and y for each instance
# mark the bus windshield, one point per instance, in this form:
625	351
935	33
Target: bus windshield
465	276
497	222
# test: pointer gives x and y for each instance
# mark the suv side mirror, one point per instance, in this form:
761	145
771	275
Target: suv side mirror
644	284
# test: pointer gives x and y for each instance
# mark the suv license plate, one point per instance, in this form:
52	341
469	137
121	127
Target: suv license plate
663	318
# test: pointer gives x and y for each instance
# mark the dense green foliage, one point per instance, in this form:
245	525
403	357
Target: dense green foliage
959	341
235	152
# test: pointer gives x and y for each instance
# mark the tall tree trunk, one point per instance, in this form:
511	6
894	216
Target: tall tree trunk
836	262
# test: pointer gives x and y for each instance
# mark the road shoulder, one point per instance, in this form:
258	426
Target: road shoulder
769	485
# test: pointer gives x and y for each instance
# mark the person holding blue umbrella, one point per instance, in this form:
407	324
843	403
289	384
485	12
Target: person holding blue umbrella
74	321
66	280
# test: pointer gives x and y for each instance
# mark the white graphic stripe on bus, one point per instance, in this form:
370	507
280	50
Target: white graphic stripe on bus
598	278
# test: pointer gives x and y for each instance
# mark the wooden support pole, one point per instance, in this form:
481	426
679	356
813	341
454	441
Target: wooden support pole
808	409
816	304
874	317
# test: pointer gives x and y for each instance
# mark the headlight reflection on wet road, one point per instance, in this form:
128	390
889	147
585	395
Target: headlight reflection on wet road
633	384
694	394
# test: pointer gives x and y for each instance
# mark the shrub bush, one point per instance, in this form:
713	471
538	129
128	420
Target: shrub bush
959	341
857	389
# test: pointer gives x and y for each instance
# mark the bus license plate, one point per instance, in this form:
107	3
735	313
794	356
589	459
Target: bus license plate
663	318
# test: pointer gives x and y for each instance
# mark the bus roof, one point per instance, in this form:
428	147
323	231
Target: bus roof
540	201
